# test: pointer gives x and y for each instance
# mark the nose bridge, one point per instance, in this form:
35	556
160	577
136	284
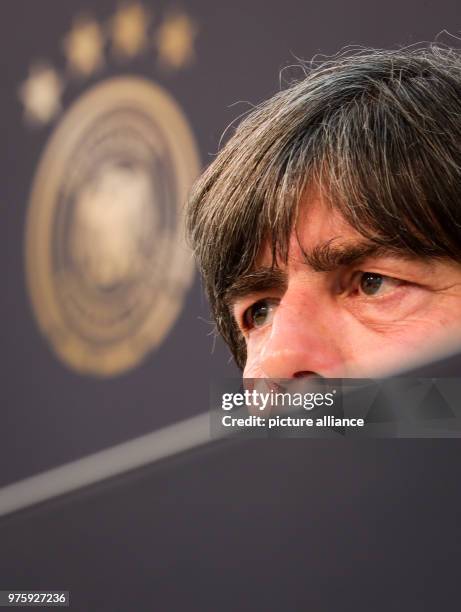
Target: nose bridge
304	337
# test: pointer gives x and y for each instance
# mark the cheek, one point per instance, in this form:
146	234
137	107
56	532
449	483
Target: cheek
438	320
395	346
255	350
252	370
252	366
438	325
366	348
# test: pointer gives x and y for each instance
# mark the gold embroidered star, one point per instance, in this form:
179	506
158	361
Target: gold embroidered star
129	28
84	46
175	41
41	94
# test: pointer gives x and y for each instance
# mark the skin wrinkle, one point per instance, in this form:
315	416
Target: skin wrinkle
308	303
376	133
324	257
314	257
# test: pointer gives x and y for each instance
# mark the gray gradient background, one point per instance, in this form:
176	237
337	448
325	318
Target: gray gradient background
294	524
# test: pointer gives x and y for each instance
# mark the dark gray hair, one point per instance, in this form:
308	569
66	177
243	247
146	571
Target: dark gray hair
379	132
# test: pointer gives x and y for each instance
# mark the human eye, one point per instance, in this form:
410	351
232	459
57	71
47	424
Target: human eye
259	314
371	284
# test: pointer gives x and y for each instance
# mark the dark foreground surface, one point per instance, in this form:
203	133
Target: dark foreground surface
271	524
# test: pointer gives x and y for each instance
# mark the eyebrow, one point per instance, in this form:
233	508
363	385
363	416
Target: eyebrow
325	257
328	256
261	279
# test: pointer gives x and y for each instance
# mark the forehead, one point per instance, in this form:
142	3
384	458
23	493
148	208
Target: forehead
318	223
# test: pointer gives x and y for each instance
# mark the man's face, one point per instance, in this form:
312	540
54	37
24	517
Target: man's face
340	307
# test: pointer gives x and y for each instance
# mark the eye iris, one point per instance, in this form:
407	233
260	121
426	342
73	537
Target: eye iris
259	314
371	283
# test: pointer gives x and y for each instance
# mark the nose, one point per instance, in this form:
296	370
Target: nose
304	340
